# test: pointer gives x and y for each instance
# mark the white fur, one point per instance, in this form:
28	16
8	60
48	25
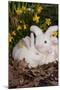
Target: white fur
30	53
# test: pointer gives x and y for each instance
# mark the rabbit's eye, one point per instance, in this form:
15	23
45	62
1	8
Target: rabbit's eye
45	41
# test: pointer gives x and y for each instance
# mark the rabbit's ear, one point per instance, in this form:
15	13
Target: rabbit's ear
36	30
27	41
32	39
51	29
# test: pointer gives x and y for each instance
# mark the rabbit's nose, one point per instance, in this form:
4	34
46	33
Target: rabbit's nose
37	53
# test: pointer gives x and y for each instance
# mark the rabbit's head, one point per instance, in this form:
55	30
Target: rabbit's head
43	40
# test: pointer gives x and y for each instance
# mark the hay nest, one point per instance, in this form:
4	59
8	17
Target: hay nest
21	76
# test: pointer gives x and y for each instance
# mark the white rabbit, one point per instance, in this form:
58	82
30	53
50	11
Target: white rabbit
28	51
45	44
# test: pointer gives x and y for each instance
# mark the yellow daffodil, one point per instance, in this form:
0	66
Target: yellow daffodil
19	28
19	11
25	27
24	8
54	34
10	38
36	18
14	33
48	21
39	9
